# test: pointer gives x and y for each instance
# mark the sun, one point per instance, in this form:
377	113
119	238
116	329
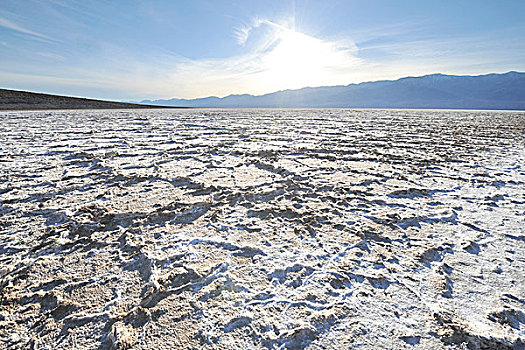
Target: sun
299	60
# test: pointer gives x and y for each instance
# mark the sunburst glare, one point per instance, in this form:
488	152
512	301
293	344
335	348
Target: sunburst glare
298	60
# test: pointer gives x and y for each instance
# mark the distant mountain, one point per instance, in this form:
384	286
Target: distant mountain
491	91
24	100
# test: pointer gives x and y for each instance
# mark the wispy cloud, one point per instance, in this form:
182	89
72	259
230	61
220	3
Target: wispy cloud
241	33
13	26
51	56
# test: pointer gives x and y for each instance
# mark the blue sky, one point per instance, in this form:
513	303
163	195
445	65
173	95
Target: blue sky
133	50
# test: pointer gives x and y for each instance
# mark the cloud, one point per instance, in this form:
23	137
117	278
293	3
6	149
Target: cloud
13	26
241	34
51	56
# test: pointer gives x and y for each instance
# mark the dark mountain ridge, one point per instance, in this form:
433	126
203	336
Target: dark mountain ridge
24	100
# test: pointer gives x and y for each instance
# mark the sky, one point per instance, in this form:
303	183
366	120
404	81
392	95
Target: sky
132	50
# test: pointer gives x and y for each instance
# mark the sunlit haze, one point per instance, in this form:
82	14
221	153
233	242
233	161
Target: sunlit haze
133	50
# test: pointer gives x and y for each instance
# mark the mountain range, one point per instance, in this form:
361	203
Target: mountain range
25	100
490	91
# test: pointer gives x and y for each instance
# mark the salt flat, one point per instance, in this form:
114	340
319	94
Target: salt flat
229	229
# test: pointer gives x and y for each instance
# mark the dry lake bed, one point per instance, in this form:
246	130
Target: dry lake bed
262	229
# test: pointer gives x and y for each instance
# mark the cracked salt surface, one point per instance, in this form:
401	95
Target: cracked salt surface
262	229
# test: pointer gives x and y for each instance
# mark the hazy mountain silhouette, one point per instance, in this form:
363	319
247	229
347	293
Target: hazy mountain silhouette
490	91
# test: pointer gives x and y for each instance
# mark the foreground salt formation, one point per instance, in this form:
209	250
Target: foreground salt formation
314	229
